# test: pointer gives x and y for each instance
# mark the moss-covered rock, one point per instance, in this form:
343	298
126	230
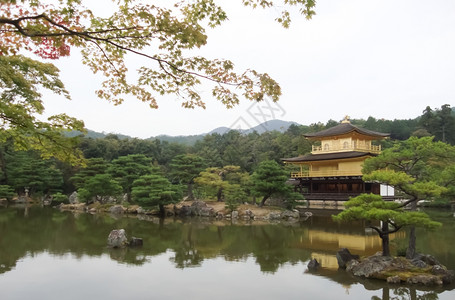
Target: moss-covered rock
400	269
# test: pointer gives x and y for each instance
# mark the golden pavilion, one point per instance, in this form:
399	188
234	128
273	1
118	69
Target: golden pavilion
333	169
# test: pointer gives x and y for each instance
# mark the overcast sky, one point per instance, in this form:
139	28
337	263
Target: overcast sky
382	58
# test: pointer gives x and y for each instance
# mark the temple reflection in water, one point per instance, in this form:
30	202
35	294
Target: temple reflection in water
324	238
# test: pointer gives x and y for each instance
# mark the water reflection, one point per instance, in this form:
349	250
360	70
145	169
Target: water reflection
189	243
405	293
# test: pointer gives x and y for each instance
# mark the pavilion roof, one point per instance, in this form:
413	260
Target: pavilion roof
328	156
344	128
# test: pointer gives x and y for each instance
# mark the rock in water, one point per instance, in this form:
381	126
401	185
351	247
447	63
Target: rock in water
136	242
400	269
344	256
117	238
372	266
313	265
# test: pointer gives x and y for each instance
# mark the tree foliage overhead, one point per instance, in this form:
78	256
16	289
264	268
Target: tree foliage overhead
161	35
21	106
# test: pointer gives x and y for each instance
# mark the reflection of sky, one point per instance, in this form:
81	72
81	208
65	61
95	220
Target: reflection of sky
66	277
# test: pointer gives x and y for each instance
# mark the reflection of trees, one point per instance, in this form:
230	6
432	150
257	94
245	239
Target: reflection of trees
187	255
406	293
190	242
62	232
127	255
83	234
273	248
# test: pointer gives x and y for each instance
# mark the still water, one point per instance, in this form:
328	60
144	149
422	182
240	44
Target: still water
48	254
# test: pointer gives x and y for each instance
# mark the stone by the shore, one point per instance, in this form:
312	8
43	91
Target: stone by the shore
248	214
77	206
290	214
195	209
73	198
116	209
274	216
393	279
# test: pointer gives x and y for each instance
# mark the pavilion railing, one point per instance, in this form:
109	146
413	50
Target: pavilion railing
363	148
307	174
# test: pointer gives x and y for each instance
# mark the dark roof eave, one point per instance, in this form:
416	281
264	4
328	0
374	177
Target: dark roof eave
345	128
328	156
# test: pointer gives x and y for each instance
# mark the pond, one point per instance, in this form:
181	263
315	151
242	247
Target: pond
48	254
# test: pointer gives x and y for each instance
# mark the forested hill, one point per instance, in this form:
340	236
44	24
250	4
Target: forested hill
190	140
244	150
438	122
97	135
248	149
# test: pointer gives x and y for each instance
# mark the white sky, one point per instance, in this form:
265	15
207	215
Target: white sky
384	58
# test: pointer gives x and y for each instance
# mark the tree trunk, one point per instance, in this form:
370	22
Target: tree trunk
263	200
4	180
161	207
385	239
253	201
411	251
219	195
190	191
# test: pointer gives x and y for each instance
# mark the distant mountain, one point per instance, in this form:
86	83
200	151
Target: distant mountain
96	135
219	130
272	125
190	140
